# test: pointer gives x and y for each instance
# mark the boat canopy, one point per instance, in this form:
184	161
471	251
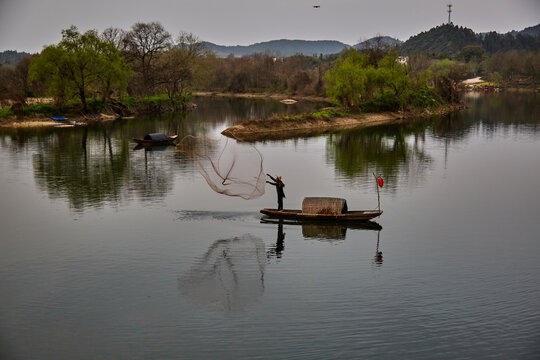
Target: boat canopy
324	205
156	137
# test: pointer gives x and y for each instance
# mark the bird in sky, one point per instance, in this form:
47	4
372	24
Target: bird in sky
316	6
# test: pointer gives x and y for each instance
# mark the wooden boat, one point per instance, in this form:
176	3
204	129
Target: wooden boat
156	139
323	208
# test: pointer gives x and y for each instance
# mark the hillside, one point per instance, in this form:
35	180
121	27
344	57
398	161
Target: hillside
448	40
378	40
280	48
11	58
531	31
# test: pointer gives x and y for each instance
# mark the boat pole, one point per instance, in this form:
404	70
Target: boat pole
378	196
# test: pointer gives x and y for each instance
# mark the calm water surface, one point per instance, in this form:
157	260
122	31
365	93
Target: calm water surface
110	252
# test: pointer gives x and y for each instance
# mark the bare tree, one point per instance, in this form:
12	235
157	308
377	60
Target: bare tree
143	43
115	36
176	67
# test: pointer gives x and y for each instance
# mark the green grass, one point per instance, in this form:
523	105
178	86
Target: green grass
5	112
45	109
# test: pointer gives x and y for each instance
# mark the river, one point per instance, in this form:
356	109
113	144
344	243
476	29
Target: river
112	252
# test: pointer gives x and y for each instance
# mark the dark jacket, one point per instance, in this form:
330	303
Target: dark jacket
279	186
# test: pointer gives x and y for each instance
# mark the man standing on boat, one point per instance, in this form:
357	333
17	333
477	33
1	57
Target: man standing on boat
279	188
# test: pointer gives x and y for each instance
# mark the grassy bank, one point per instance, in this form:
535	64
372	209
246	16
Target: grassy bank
335	119
37	113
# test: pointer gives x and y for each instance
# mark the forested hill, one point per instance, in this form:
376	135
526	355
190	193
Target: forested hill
11	58
447	40
532	31
378	40
280	48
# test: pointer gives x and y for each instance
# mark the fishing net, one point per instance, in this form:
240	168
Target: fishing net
229	276
229	168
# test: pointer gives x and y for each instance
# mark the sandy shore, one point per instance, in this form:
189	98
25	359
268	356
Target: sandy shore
40	121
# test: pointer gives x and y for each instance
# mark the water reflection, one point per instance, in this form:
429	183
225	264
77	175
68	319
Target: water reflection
229	111
277	250
84	168
323	231
399	152
96	165
92	167
229	276
378	258
392	151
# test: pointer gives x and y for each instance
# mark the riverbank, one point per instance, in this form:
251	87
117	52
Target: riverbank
279	128
40	121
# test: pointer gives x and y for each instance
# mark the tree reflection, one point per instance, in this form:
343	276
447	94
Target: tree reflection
396	152
93	166
80	167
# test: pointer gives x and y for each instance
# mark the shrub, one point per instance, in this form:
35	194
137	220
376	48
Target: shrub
5	112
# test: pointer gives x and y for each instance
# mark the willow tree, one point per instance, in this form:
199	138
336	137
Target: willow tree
346	82
81	64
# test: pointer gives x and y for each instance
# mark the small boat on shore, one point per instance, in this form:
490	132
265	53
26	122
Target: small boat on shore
324	209
59	118
288	101
156	139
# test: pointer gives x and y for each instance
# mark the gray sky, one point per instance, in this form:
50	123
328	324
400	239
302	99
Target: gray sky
28	25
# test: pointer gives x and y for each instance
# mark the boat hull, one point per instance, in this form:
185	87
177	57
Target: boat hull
361	215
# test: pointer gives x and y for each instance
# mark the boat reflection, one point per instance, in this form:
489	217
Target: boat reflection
150	147
378	258
229	276
324	231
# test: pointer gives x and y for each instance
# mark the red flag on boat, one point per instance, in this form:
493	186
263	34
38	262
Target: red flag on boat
380	181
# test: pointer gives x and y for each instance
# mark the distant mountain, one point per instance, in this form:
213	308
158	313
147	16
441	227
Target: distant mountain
280	48
531	31
382	40
11	58
449	39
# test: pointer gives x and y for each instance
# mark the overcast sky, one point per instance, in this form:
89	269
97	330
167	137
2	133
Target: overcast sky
28	25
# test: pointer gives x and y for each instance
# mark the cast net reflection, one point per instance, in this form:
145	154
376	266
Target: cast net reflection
229	276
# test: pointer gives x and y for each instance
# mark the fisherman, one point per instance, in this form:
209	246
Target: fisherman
279	188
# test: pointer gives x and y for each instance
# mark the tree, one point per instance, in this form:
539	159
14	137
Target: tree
143	43
114	35
446	75
78	65
14	82
472	53
393	75
175	68
532	66
496	79
346	82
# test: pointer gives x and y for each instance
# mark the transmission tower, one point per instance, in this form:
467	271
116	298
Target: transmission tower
449	12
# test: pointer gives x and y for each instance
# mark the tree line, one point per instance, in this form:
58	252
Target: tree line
147	60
